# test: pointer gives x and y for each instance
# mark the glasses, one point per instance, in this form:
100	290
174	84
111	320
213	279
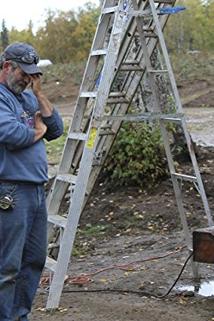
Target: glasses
29	57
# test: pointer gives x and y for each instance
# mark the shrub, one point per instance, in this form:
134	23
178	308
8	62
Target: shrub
137	156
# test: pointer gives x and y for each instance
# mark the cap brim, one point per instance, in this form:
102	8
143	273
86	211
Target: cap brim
30	69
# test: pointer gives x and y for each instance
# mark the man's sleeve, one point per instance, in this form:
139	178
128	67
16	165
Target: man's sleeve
54	125
12	132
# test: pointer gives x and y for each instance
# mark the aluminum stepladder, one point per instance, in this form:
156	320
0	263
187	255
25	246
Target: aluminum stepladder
101	107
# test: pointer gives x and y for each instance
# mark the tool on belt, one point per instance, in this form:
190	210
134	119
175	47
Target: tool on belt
6	202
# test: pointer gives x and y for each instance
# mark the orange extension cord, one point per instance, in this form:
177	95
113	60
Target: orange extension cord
86	278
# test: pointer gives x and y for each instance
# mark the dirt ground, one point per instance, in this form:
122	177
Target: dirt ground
135	249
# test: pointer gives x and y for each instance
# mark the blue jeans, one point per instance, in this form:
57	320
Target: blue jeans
23	243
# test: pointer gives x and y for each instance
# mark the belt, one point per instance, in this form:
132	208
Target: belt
8	181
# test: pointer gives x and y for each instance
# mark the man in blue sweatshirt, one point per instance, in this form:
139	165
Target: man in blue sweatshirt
26	119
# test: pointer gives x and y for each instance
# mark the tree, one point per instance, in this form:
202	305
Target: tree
55	40
192	29
84	32
67	36
4	35
25	35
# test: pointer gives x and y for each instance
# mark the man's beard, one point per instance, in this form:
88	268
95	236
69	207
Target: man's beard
17	87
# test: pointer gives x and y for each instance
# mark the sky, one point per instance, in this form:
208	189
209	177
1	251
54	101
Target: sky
19	13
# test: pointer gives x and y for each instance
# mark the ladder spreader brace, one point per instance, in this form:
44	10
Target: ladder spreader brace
100	110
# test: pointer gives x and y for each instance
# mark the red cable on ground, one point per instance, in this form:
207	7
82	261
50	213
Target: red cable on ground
85	278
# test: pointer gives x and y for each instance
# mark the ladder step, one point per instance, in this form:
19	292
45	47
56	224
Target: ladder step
117	98
150	34
109	10
127	67
99	52
131	65
93	94
165	1
50	264
106	133
158	71
88	94
172	118
77	136
185	177
117	94
131	62
57	220
67	178
140	13
144	117
117	101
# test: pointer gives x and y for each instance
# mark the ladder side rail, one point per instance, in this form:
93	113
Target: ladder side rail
58	189
70	145
70	231
197	173
180	109
54	198
146	59
70	154
88	79
98	42
85	166
176	187
166	56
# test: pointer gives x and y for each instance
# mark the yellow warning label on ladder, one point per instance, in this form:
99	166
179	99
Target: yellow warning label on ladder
92	138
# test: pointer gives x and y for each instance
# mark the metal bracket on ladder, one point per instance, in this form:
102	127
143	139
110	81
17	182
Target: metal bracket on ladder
102	105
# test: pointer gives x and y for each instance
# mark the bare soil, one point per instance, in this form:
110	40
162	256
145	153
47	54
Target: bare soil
131	247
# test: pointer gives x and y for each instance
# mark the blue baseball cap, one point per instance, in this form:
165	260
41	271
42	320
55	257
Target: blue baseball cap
25	56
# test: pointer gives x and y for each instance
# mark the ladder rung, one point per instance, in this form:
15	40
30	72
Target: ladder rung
93	94
117	101
105	127
165	1
57	220
176	118
185	177
131	62
109	10
77	136
148	32
144	116
127	67
106	132
88	94
150	35
116	94
158	71
67	178
117	98
140	13
53	246
99	52
50	264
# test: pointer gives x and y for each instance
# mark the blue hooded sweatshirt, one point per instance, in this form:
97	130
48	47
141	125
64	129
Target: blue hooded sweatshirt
22	159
